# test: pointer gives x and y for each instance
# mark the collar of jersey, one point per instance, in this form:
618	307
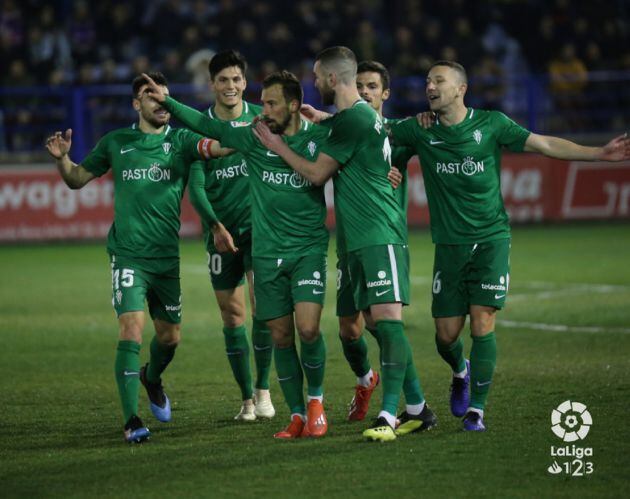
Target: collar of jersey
471	113
167	129
244	111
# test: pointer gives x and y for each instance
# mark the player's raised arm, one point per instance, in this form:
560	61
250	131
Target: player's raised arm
618	149
190	117
317	172
58	145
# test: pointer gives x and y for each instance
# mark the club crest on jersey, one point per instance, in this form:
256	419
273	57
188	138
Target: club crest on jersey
167	147
312	147
477	136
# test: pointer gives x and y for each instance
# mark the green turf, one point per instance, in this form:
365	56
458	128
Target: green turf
61	425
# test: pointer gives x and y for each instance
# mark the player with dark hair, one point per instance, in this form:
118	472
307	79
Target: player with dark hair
461	160
223	184
150	163
371	229
289	242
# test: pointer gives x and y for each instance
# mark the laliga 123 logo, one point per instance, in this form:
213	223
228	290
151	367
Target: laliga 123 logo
571	421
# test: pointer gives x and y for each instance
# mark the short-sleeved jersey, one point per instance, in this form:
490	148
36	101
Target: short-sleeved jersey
400	157
461	169
366	209
227	185
288	211
150	172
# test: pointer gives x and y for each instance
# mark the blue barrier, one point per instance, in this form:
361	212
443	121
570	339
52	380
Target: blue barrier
29	114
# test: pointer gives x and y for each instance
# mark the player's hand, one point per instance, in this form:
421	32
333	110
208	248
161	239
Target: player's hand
218	151
426	119
59	145
394	176
223	241
312	114
154	90
267	138
618	149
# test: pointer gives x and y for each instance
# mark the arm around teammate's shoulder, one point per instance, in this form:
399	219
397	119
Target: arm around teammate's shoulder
618	149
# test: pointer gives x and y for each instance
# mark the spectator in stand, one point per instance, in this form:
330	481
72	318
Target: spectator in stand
568	78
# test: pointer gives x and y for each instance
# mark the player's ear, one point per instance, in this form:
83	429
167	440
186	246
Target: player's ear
385	95
294	106
136	104
462	89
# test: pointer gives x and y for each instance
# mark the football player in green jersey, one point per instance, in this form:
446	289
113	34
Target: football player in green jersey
150	163
224	184
461	157
371	230
289	241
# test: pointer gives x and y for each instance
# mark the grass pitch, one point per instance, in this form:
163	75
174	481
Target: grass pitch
565	334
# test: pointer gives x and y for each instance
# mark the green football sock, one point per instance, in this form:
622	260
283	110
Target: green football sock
314	363
127	370
411	385
374	332
160	358
483	359
453	354
290	377
237	350
263	350
394	357
356	353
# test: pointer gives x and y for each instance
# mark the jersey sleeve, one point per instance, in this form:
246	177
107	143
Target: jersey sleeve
197	193
345	134
401	156
509	134
195	120
97	162
403	132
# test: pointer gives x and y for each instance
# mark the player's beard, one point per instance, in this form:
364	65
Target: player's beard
153	120
328	95
279	128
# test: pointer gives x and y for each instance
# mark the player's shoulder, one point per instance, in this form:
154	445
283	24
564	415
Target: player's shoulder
315	130
251	110
357	117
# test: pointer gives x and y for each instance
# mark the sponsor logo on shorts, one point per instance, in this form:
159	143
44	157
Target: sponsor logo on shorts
173	308
382	281
315	281
502	286
381	293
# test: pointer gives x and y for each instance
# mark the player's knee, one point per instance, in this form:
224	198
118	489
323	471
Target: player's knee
482	321
309	332
350	328
232	314
168	334
447	333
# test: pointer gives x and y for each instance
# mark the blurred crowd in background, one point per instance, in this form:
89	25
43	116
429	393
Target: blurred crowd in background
80	43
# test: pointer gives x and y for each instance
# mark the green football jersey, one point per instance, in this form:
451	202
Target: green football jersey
461	169
150	172
227	185
288	212
366	209
400	157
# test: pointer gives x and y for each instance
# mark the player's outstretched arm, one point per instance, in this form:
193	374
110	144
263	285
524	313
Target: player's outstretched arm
317	172
58	145
618	149
190	117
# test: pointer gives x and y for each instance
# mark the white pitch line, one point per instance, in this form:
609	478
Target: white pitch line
562	328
